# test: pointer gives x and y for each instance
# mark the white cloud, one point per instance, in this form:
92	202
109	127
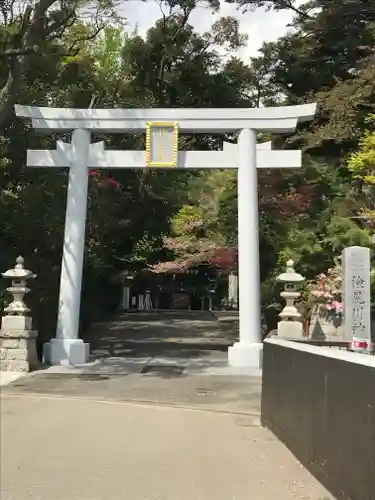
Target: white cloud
260	25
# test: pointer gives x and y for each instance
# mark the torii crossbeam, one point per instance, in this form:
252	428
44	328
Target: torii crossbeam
98	157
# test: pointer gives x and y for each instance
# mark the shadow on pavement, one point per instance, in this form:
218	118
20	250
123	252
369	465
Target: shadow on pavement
174	334
155	358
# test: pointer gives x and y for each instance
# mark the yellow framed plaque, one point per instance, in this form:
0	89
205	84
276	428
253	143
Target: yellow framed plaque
162	144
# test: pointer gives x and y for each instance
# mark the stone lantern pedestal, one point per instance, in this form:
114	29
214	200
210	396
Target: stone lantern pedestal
290	327
17	338
127	280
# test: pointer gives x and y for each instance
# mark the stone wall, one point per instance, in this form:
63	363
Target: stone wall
17	346
320	402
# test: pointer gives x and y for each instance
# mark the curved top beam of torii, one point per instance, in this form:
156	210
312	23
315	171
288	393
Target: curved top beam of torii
206	120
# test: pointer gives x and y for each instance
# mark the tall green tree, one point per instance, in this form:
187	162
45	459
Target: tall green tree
362	166
31	34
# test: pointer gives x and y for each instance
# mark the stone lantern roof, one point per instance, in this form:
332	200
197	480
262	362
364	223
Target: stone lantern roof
290	276
19	272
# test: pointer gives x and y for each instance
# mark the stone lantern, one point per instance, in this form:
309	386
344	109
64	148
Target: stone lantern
211	292
17	338
127	280
290	326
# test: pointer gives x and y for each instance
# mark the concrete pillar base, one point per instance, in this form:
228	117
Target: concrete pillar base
245	355
66	352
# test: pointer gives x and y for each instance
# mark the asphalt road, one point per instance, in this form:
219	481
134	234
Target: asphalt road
131	426
76	448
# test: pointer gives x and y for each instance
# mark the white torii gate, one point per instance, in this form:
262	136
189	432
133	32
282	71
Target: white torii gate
81	155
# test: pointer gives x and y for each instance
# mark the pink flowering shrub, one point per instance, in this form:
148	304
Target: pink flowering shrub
103	181
325	290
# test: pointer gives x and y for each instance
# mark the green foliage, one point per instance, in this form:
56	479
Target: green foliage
362	163
146	248
343	232
362	166
199	225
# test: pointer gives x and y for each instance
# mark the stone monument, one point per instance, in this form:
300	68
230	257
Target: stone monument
357	298
290	326
17	338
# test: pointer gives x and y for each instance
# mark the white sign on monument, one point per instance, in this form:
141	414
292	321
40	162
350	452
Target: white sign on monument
357	297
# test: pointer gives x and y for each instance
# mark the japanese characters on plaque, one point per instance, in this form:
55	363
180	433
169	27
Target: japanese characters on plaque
162	144
356	293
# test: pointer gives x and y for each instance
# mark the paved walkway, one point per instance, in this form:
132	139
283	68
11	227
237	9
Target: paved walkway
196	334
158	424
144	437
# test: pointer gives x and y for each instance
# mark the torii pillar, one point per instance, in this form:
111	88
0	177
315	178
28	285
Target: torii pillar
81	155
248	350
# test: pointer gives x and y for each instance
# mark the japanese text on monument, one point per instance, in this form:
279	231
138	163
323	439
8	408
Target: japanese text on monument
357	292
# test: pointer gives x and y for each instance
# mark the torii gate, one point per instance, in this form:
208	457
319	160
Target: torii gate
162	127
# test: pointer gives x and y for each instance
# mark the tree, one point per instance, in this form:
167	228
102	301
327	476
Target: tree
362	166
174	66
327	46
343	109
35	31
293	5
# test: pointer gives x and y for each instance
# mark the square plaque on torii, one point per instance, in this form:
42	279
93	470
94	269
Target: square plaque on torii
162	144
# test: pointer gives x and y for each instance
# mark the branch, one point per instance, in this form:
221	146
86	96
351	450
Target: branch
57	28
7	11
4	11
8	93
86	38
163	60
272	4
24	26
25	38
288	4
23	51
35	26
95	99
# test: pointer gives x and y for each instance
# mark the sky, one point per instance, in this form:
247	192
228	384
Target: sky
260	25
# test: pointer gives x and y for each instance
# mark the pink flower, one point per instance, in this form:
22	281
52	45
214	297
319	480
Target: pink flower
113	182
338	306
